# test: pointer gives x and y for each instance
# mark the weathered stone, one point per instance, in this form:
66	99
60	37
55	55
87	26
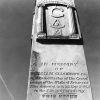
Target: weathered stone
58	69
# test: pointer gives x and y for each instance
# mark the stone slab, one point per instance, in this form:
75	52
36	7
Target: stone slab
58	72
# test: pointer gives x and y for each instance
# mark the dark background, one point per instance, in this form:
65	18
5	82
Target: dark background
15	44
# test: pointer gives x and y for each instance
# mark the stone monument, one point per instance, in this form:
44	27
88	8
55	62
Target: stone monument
58	69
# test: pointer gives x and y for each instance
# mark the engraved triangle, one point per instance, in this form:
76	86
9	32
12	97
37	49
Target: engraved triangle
57	24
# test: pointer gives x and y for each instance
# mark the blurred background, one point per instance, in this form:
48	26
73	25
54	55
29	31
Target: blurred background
15	44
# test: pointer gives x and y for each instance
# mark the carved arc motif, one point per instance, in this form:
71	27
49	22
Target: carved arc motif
57	12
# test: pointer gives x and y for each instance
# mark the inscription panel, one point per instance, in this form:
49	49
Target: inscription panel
59	73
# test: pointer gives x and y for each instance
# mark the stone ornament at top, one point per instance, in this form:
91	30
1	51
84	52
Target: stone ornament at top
65	2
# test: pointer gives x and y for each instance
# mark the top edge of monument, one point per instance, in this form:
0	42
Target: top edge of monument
64	2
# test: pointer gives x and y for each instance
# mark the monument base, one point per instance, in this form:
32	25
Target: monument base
58	72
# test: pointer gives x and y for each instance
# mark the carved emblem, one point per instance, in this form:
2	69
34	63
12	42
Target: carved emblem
57	28
57	25
57	12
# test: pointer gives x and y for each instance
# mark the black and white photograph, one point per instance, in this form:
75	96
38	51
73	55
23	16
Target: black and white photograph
49	49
